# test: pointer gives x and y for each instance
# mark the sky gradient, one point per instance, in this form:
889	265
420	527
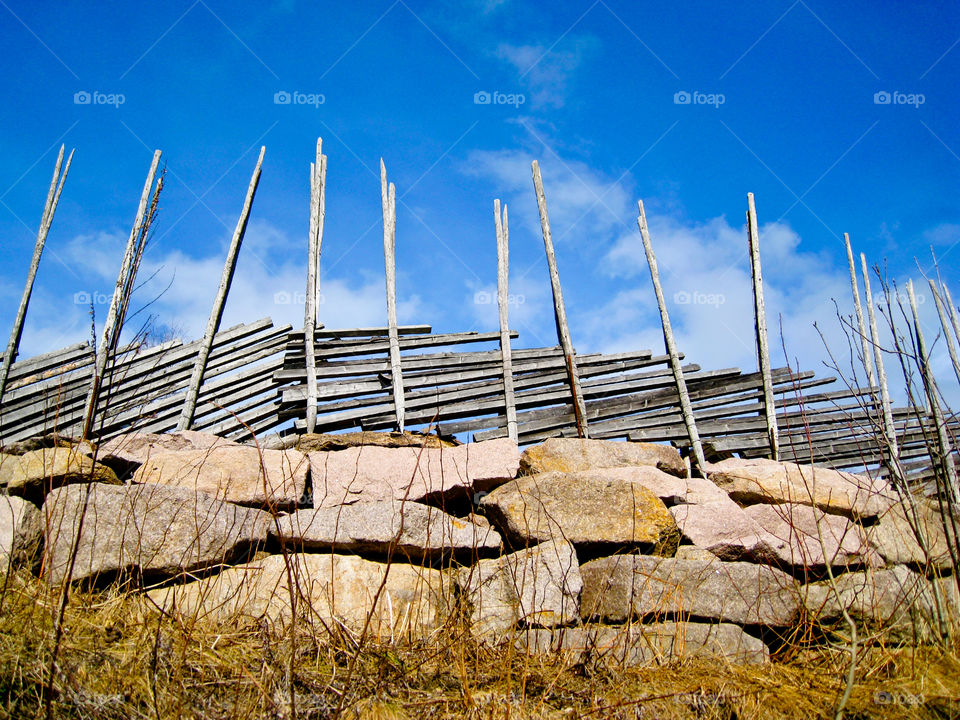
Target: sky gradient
840	117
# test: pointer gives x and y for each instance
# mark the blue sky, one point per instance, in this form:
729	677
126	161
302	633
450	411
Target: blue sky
783	103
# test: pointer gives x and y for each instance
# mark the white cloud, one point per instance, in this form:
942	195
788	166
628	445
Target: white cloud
547	71
943	234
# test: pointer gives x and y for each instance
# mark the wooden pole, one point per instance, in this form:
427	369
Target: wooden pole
943	442
671	346
888	426
113	323
389	200
559	310
216	312
945	323
954	319
311	295
49	208
760	315
503	298
864	343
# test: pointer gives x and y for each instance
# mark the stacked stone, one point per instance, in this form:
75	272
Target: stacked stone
583	547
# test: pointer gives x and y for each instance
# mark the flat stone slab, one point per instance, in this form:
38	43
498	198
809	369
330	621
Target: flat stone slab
330	589
797	531
587	508
620	588
21	530
321	442
648	644
125	453
408	529
34	473
378	473
896	537
573	454
539	587
753	481
149	530
269	479
895	601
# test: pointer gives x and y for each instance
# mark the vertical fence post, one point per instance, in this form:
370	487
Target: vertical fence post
312	294
760	316
503	301
389	199
686	409
560	313
888	427
216	312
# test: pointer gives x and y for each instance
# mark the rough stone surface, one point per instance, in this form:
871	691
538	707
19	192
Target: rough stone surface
233	473
412	530
538	586
572	454
330	589
378	473
151	530
32	474
125	453
320	442
635	644
634	586
896	601
795	532
40	442
765	481
894	537
588	508
714	522
21	528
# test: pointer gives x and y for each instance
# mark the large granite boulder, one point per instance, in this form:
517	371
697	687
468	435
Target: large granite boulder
906	529
403	601
591	509
125	453
539	587
406	473
895	602
409	530
21	530
269	479
573	454
150	531
635	644
623	587
36	472
766	481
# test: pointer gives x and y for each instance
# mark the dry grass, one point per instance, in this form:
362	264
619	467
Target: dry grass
120	660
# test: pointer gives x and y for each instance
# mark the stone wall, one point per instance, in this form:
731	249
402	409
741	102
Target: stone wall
573	546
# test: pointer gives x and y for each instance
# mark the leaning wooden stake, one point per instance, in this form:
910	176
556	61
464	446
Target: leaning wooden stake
760	314
675	365
49	208
954	318
216	312
114	323
943	442
503	297
858	308
389	200
311	299
888	427
559	310
947	330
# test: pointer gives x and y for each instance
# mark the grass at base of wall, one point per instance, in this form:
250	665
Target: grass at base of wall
119	659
